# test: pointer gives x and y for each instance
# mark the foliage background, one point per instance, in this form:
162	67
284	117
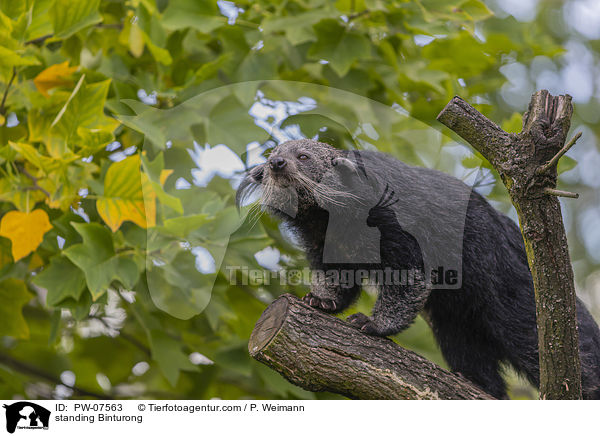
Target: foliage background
98	188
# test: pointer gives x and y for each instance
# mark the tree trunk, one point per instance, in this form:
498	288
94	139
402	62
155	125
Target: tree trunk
320	352
527	163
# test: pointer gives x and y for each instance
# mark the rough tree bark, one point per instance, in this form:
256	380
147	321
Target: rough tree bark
320	352
527	163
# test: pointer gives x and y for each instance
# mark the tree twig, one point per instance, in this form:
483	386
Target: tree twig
8	85
559	193
554	161
39	40
109	25
35	186
356	15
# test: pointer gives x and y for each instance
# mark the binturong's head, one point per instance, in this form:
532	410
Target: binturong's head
291	182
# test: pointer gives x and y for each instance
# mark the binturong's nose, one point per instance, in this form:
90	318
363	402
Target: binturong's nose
277	163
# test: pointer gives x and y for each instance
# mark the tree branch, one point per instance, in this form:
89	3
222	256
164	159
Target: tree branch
523	161
124	336
43	38
27	368
483	134
34	180
320	352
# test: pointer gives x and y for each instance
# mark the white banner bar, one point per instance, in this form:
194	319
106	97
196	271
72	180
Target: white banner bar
297	417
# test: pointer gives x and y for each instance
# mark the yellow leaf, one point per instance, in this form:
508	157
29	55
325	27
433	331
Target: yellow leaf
25	230
128	196
164	175
53	76
149	200
136	41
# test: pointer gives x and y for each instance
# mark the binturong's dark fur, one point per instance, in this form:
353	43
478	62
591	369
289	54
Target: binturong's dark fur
428	243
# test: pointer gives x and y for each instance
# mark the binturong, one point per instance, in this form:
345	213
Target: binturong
427	242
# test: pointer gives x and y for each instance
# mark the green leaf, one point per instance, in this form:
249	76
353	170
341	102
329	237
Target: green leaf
235	358
12	8
70	16
162	55
11	58
5	255
85	110
149	28
40	20
209	69
469	60
64	228
158	125
230	124
177	287
96	257
32	155
566	163
256	66
476	10
92	141
80	309
202	15
222	226
182	226
166	351
54	326
13	296
339	46
62	279
298	28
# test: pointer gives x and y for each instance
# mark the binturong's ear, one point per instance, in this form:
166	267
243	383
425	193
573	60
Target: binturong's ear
250	182
343	163
352	164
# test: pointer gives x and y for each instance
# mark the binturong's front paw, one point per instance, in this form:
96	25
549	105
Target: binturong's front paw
323	304
365	324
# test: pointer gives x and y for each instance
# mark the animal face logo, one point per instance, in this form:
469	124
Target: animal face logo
26	415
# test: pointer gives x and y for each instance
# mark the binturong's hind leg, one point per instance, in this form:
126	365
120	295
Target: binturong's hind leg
395	309
478	361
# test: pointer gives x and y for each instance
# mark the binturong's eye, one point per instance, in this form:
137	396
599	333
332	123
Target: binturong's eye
302	156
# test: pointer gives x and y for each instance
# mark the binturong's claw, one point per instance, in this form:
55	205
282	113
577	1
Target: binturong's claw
324	304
